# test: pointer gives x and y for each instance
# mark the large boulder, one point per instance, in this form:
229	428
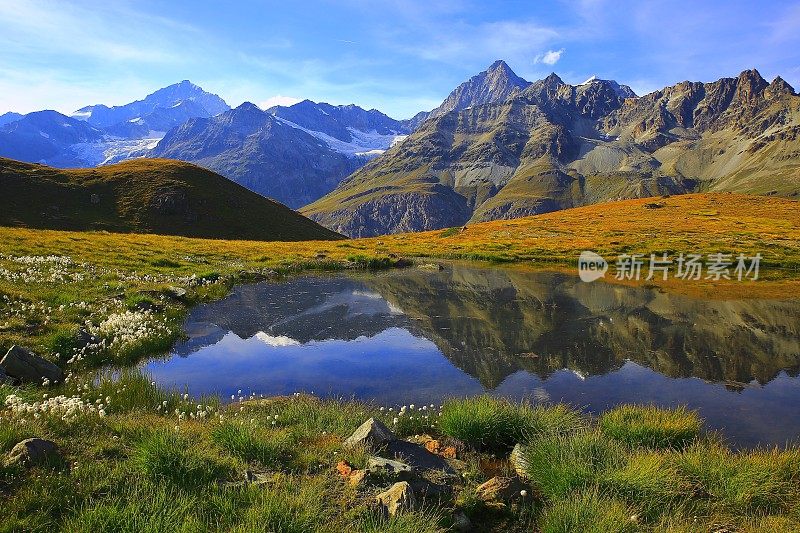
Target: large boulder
32	452
28	367
399	498
371	434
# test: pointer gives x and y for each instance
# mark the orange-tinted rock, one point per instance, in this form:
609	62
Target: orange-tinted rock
344	468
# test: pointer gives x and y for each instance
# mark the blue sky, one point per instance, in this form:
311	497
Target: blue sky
398	56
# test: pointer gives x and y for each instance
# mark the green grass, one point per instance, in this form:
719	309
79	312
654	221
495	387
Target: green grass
483	422
588	512
645	425
561	464
153	195
166	456
252	444
134	471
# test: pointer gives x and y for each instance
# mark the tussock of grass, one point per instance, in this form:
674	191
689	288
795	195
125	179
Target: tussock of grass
560	464
648	480
541	420
645	425
750	482
587	512
167	456
253	444
483	422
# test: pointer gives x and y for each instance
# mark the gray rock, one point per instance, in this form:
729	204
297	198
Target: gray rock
390	467
372	434
28	367
5	378
32	452
461	522
426	489
418	458
504	489
399	498
177	293
518	461
83	338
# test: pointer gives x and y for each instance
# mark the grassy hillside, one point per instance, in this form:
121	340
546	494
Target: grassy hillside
145	196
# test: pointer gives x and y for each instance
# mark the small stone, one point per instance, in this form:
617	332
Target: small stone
418	457
177	293
28	367
397	499
32	452
503	489
517	460
83	338
432	446
357	477
372	434
344	468
461	522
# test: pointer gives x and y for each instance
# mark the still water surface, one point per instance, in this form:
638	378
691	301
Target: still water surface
413	336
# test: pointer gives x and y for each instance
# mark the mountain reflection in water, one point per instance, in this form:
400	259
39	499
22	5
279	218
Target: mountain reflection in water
417	336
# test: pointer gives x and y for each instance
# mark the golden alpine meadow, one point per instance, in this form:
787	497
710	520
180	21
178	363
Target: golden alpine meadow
135	456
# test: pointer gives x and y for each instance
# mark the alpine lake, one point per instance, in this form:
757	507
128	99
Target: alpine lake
422	335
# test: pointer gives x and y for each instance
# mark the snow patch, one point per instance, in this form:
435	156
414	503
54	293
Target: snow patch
114	149
363	143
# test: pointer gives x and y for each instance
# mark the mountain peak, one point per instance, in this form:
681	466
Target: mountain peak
248	107
779	87
749	84
499	65
495	84
553	79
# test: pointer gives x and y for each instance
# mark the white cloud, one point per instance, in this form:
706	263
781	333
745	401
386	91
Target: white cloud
550	57
278	99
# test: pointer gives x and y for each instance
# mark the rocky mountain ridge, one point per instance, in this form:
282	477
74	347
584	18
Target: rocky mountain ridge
553	145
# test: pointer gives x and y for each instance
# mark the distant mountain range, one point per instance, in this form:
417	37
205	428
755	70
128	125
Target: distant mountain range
497	147
549	145
146	196
294	154
97	134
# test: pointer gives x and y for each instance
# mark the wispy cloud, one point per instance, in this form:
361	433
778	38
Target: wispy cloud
111	34
550	57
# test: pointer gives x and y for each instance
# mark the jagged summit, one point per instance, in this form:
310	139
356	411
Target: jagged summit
495	84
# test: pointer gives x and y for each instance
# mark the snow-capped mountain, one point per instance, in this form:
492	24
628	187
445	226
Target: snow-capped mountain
271	155
623	91
161	102
347	129
98	135
45	137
